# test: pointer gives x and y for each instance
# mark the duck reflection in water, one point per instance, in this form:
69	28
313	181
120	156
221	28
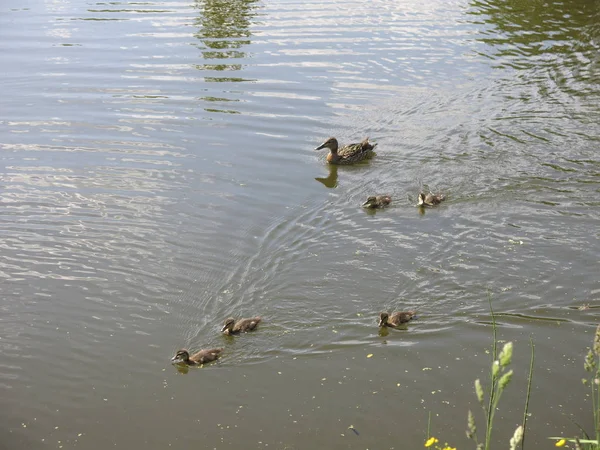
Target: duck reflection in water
330	181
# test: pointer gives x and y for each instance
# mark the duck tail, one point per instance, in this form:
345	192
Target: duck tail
366	145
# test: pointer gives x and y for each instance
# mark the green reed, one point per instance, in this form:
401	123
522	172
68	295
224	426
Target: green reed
499	378
591	365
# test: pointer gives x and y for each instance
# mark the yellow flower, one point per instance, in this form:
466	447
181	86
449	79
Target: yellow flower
449	448
430	442
560	443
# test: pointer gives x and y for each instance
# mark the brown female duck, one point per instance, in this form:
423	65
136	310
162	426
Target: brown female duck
202	357
377	201
231	326
430	199
348	154
396	318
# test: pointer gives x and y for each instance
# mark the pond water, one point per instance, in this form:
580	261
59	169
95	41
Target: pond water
157	174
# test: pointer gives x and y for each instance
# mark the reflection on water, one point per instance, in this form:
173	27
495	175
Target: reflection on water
552	45
224	32
330	180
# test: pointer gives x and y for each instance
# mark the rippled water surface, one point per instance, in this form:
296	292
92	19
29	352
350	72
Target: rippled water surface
157	174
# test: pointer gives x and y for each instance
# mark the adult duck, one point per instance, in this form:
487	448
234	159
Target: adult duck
348	154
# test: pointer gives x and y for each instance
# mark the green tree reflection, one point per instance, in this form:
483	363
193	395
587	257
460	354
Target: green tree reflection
558	40
224	30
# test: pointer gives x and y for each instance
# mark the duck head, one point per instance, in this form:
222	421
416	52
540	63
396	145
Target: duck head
371	202
181	356
331	143
228	324
383	318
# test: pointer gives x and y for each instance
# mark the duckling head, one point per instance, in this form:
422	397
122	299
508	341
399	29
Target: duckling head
422	198
181	355
383	318
331	143
371	202
228	325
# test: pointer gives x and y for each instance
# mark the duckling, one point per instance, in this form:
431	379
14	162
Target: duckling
396	319
241	326
202	357
430	199
348	154
377	201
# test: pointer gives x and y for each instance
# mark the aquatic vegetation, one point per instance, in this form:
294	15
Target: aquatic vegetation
591	364
433	441
499	379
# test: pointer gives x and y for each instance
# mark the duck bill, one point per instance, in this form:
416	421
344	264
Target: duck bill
175	359
224	328
366	204
381	323
320	146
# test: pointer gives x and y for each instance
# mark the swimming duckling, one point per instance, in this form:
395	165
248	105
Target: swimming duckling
348	154
430	199
241	326
377	201
202	357
397	318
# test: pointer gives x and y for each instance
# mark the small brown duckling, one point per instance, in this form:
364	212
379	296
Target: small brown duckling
348	154
430	199
377	201
202	357
397	318
241	326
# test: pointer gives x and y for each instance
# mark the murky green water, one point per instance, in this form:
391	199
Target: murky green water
157	175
